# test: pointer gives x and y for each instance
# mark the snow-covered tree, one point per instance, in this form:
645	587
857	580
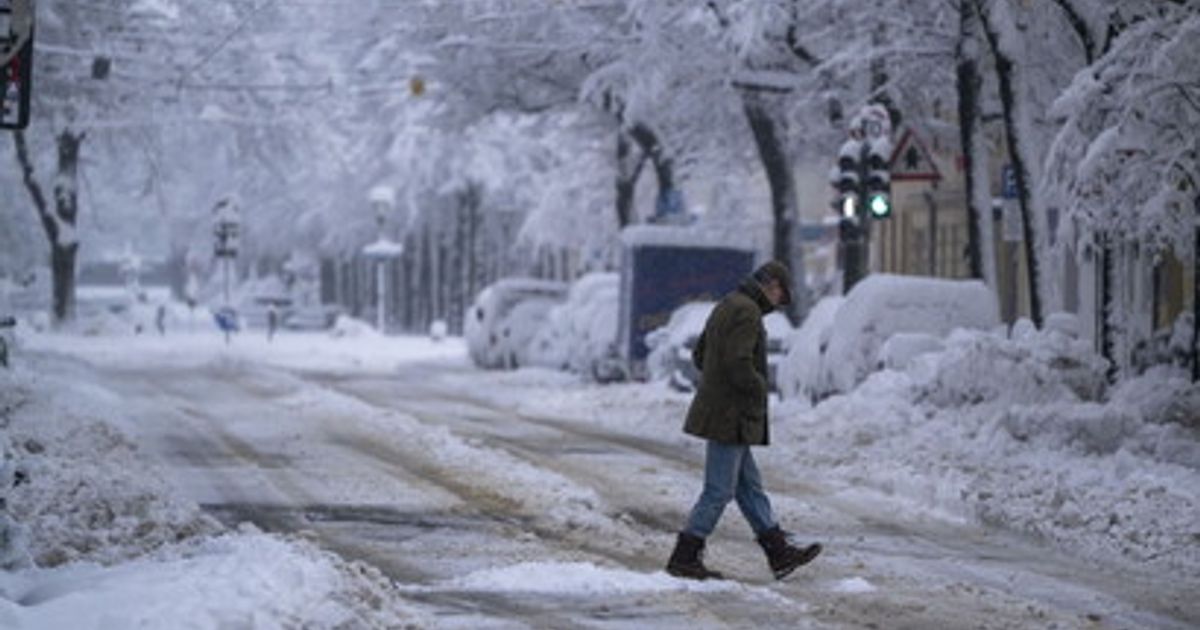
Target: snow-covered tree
75	96
1124	166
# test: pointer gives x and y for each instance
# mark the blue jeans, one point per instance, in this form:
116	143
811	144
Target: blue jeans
730	473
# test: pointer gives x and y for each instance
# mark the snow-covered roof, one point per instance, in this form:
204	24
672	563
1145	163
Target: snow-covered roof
681	236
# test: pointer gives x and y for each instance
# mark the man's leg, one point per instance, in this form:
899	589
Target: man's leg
751	498
722	463
782	556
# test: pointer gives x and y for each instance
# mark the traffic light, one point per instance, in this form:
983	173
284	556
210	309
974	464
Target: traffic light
846	178
16	62
877	185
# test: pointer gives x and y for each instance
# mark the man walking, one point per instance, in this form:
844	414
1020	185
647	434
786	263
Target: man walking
730	412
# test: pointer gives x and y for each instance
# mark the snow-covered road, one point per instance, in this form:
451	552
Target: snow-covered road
494	507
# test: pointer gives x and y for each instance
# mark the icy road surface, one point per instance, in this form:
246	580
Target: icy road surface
491	505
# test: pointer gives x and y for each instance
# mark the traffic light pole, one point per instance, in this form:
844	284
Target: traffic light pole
16	62
855	249
862	178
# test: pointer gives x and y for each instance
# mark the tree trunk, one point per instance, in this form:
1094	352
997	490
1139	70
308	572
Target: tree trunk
1195	349
1007	74
769	136
629	168
59	222
664	168
1107	305
969	84
176	270
428	282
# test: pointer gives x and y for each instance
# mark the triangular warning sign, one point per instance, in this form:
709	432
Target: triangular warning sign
912	162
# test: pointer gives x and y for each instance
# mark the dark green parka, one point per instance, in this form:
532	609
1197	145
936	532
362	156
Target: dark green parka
730	405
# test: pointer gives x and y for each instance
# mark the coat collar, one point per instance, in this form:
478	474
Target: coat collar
753	290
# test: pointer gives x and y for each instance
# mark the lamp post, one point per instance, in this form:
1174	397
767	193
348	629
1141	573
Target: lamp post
383	201
227	227
131	268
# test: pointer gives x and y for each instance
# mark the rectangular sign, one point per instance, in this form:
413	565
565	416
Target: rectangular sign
657	279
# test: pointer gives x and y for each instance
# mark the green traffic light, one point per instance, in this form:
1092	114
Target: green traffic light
880	206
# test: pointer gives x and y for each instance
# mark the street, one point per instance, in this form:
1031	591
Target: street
424	474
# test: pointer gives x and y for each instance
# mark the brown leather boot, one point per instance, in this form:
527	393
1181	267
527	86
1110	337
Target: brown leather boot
783	556
687	560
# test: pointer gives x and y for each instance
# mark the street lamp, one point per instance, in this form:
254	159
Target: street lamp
383	201
227	227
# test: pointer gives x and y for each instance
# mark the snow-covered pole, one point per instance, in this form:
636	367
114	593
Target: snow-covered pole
380	296
227	223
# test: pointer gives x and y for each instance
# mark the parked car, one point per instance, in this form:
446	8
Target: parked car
500	325
845	339
671	345
581	333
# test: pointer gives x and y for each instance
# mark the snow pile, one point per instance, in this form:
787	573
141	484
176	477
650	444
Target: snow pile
242	580
853	586
581	333
1013	432
85	495
347	326
574	578
91	538
1031	368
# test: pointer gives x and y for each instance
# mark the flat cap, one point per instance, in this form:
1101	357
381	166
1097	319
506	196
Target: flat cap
775	270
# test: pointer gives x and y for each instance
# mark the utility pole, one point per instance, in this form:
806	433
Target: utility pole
227	226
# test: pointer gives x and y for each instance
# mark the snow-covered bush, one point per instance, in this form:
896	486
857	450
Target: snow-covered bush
883	305
501	324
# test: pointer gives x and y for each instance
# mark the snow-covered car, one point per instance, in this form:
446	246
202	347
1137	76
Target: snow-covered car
671	346
581	333
800	374
500	325
844	340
